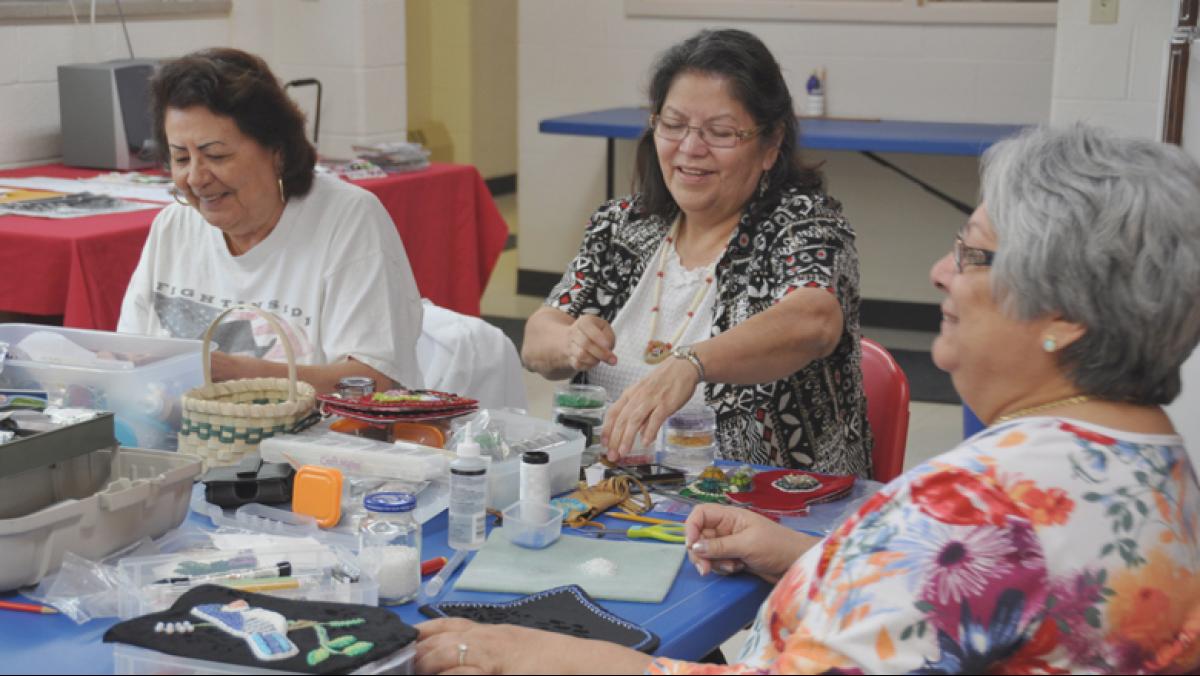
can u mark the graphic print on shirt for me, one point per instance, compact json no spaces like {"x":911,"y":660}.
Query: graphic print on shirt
{"x":241,"y":333}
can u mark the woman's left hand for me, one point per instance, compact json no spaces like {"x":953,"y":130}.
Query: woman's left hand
{"x":458,"y":646}
{"x":643,"y":408}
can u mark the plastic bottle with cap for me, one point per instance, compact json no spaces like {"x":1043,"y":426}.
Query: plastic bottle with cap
{"x":814,"y":104}
{"x":535,"y":477}
{"x":468,"y":495}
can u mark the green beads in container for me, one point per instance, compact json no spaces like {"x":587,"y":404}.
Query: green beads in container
{"x":583,"y":401}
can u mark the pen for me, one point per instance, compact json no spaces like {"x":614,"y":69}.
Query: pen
{"x":281,"y":569}
{"x":27,"y":608}
{"x":263,"y":584}
{"x":434,"y":586}
{"x":432,"y":565}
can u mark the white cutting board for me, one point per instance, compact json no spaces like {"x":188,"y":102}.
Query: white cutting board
{"x":640,"y":571}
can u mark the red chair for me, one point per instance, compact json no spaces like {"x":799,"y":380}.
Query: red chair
{"x":887,"y":393}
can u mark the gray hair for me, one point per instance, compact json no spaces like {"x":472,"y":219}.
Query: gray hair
{"x":1104,"y":231}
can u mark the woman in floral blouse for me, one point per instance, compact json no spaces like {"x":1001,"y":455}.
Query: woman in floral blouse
{"x":1064,"y":537}
{"x":728,"y":280}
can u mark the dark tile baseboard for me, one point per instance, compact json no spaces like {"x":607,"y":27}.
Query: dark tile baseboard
{"x":501,"y":185}
{"x":536,"y":283}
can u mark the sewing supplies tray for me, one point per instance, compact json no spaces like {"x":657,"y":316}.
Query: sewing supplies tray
{"x":77,"y":505}
{"x":565,"y":610}
{"x":621,"y":571}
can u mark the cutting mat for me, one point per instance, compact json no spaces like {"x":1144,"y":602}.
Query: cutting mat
{"x":640,"y":571}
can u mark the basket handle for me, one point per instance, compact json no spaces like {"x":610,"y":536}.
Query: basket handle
{"x":274,"y":322}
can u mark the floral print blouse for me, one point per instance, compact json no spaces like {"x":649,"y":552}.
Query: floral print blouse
{"x":1042,"y":546}
{"x":813,"y":419}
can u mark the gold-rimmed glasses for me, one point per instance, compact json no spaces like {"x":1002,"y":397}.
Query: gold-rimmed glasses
{"x":713,"y":135}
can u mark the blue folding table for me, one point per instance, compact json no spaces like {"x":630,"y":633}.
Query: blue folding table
{"x":866,"y":136}
{"x":698,"y":614}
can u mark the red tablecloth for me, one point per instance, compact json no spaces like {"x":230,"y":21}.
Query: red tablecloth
{"x":79,"y":267}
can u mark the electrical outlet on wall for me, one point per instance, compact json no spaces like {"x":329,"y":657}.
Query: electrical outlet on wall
{"x":1104,"y":11}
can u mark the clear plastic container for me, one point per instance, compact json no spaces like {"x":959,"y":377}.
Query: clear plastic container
{"x":582,"y":401}
{"x":690,"y":440}
{"x":357,"y":455}
{"x":129,"y":659}
{"x":138,"y":378}
{"x":390,"y":544}
{"x":532,"y":524}
{"x":317,"y":573}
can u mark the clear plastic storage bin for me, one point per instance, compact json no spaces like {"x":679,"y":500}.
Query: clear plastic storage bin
{"x":141,"y":385}
{"x":525,"y":433}
{"x":319,"y":572}
{"x":129,"y":659}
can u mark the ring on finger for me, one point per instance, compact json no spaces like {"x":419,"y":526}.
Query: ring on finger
{"x":462,"y":654}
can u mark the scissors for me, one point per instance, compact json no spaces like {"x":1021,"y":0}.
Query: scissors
{"x":660,"y":531}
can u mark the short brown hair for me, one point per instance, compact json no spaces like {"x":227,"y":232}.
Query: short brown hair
{"x":240,"y":86}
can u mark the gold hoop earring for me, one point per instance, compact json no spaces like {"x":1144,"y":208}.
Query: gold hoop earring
{"x":175,"y":193}
{"x":282,"y":196}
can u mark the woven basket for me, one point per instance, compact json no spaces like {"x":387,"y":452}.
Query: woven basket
{"x":222,"y":422}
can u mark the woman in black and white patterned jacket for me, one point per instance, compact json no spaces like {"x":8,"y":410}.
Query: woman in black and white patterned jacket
{"x":729,"y":279}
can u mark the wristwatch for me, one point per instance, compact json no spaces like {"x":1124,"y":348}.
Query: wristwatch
{"x":686,"y":352}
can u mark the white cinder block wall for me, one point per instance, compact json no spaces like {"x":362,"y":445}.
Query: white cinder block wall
{"x":578,"y":55}
{"x":355,"y":47}
{"x":1115,"y":75}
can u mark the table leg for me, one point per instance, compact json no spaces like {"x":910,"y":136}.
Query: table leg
{"x":609,"y":161}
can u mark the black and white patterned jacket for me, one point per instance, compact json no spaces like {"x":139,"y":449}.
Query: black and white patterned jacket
{"x":813,"y":419}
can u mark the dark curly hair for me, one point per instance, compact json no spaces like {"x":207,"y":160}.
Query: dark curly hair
{"x":240,"y":86}
{"x":755,"y":81}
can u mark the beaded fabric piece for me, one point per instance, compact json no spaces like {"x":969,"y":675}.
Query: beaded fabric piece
{"x":563,"y":610}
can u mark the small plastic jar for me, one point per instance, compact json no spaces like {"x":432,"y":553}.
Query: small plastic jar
{"x":581,"y":401}
{"x":353,"y":387}
{"x":390,"y":544}
{"x":690,"y":440}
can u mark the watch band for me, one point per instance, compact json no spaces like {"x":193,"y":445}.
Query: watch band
{"x":686,"y":352}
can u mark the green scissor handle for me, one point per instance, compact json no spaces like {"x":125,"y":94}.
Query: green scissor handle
{"x":660,"y":531}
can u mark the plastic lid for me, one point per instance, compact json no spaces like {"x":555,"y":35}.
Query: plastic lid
{"x":693,"y":419}
{"x":535,"y":457}
{"x":390,"y":502}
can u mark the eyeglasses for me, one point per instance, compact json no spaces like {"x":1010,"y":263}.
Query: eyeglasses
{"x":968,"y":255}
{"x":713,"y":135}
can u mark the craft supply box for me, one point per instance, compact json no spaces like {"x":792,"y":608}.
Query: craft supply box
{"x":128,"y":659}
{"x":525,"y":433}
{"x":72,"y":505}
{"x":138,"y":593}
{"x":143,"y":395}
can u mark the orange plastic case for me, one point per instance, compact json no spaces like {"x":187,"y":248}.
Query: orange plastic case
{"x":317,"y":492}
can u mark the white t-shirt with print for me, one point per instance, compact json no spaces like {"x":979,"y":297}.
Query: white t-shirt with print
{"x":334,"y":267}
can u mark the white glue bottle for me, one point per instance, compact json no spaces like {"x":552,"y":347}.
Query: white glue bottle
{"x":468,"y":496}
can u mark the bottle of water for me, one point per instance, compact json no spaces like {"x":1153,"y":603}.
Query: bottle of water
{"x":468,"y":496}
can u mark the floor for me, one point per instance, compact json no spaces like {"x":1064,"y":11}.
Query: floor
{"x":932,"y":428}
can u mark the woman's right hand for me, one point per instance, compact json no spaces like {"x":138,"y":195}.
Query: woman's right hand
{"x":590,"y":340}
{"x":728,"y":540}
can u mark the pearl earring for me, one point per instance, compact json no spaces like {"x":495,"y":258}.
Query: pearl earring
{"x":1049,"y":344}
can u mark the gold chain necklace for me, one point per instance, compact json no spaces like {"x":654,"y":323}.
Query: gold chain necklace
{"x":656,"y":350}
{"x":1068,"y":401}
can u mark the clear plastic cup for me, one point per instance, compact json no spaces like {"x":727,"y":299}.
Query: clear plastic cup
{"x":581,"y":401}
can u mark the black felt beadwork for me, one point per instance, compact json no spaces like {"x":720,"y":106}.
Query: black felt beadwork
{"x":563,"y":610}
{"x":329,"y":637}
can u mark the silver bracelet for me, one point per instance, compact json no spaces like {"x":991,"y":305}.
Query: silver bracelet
{"x":686,"y":352}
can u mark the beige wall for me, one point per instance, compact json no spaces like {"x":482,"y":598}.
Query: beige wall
{"x":462,"y":58}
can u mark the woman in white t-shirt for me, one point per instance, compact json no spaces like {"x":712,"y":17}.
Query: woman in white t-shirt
{"x":255,"y":225}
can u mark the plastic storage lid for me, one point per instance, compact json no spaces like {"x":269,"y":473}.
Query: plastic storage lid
{"x":535,"y":457}
{"x":693,"y":419}
{"x":390,"y":502}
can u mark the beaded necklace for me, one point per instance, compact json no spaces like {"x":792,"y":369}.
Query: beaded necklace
{"x":656,"y":350}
